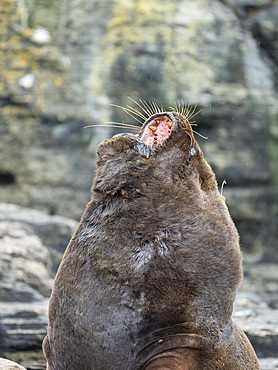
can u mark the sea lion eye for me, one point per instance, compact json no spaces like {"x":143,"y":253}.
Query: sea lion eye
{"x":157,"y":130}
{"x":192,"y":151}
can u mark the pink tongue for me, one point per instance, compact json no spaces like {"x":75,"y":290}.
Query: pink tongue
{"x":157,"y":131}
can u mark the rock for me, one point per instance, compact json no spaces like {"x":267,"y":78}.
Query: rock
{"x":256,"y":312}
{"x":221,"y":54}
{"x":23,"y":325}
{"x":31,"y":247}
{"x":36,"y":231}
{"x":36,"y":97}
{"x":268,"y":363}
{"x":9,"y":365}
{"x":259,"y":321}
{"x":24,"y":262}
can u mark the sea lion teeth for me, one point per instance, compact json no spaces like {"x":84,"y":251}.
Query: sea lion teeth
{"x":168,"y":123}
{"x":152,"y":128}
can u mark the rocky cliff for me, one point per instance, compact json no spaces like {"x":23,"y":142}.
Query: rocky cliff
{"x":63,"y":63}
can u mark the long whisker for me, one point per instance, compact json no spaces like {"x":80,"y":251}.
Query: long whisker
{"x":188,"y":109}
{"x":193,"y":115}
{"x":153,"y":107}
{"x":146,"y":108}
{"x":182,"y":107}
{"x":127,"y":111}
{"x":174,"y":108}
{"x":137,"y":112}
{"x":191,"y":138}
{"x":123,"y":124}
{"x":115,"y":126}
{"x":130,"y":112}
{"x":114,"y":123}
{"x":149,"y":106}
{"x":202,"y":136}
{"x":143,"y":108}
{"x":157,"y":107}
{"x":179,"y":107}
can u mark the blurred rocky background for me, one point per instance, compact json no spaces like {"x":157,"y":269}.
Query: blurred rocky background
{"x":63,"y":63}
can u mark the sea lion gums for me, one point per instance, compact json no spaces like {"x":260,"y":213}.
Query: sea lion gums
{"x":149,"y":278}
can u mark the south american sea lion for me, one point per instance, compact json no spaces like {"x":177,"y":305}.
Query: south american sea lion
{"x":149,"y":278}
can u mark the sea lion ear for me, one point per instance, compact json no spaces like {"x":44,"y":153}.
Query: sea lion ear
{"x":115,"y":146}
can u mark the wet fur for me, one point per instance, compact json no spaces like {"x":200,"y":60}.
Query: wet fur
{"x":155,"y":255}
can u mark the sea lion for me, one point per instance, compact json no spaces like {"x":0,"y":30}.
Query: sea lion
{"x":149,"y":278}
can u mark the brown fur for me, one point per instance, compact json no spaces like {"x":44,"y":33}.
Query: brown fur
{"x":150,"y":276}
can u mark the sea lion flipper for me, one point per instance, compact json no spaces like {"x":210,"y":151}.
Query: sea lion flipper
{"x":176,"y":359}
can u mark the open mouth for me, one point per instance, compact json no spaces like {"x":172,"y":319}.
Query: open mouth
{"x":157,"y":130}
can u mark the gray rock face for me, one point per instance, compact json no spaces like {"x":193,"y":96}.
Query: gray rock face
{"x":24,"y":262}
{"x":9,"y":365}
{"x":260,"y":323}
{"x":40,"y":123}
{"x":23,"y":325}
{"x":222,"y":55}
{"x":31,"y":247}
{"x":50,"y":234}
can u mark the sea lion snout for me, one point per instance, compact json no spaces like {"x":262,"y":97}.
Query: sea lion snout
{"x":159,"y":132}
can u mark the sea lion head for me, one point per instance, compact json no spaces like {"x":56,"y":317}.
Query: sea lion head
{"x":167,"y":134}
